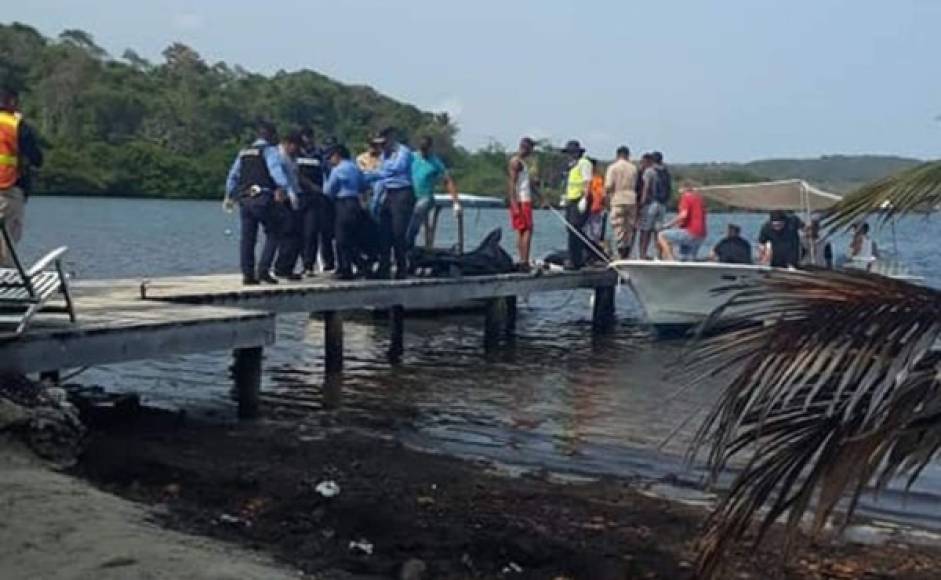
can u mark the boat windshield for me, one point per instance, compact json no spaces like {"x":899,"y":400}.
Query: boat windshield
{"x":469,"y":200}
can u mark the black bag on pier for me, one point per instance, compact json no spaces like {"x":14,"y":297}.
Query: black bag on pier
{"x":487,"y":258}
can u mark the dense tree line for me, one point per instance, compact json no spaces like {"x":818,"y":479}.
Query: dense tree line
{"x":128,"y":126}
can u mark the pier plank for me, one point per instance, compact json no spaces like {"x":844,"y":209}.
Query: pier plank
{"x":328,"y":295}
{"x":113,"y":331}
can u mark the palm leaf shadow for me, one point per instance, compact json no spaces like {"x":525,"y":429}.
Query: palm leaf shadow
{"x":837,"y":389}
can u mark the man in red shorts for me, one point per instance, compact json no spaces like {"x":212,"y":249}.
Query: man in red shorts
{"x":519,"y":194}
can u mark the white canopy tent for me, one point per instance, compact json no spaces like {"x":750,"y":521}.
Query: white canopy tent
{"x":787,"y":195}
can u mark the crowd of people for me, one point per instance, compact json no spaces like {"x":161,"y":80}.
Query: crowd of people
{"x":784,"y":241}
{"x":361,"y":217}
{"x":633,"y":198}
{"x":357,"y":218}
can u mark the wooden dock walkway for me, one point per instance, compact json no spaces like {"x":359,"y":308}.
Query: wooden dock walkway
{"x":125,"y":320}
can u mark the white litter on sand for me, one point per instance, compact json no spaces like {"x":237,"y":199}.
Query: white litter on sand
{"x":328,"y":488}
{"x":363,"y":545}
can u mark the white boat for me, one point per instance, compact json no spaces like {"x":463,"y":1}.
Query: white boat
{"x":676,"y":296}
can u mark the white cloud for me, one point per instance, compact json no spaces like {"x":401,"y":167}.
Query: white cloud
{"x":188,"y":21}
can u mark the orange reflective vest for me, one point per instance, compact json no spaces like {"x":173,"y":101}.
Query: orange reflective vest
{"x":9,"y":149}
{"x":597,"y":194}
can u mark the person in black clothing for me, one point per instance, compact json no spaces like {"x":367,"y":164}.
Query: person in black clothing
{"x":733,"y":248}
{"x":290,"y":216}
{"x":815,"y":251}
{"x":318,"y":226}
{"x":259,"y":183}
{"x":779,"y":240}
{"x":19,"y":152}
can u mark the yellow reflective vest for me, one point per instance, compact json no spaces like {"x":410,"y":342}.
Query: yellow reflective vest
{"x":577,"y":184}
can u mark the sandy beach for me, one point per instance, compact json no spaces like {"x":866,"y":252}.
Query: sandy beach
{"x":55,"y":526}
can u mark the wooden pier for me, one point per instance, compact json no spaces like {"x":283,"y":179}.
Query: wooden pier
{"x":125,"y":320}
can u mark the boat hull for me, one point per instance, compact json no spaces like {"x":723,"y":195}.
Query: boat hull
{"x":676,"y":296}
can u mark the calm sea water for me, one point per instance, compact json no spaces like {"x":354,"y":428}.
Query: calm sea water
{"x":557,"y":399}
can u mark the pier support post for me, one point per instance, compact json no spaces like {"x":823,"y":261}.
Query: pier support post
{"x":603,"y":318}
{"x":333,"y":342}
{"x":247,"y":371}
{"x":494,"y":322}
{"x":511,"y":316}
{"x":396,"y":333}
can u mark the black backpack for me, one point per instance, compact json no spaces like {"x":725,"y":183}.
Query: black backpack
{"x":663,"y":186}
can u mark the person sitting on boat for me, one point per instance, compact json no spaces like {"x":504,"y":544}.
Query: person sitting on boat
{"x":733,"y":248}
{"x":779,"y":240}
{"x":686,"y":232}
{"x":863,"y":248}
{"x":815,"y":251}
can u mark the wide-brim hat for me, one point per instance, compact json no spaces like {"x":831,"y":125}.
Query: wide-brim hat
{"x":573,"y":146}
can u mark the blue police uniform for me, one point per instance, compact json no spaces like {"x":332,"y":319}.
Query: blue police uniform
{"x":257,"y":172}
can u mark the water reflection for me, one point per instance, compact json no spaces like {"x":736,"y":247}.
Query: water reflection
{"x":554,"y":398}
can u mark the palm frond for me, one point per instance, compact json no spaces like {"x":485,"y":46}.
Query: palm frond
{"x":839,"y":388}
{"x":912,"y":190}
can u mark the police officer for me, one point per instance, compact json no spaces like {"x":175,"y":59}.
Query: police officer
{"x":258,"y":181}
{"x":290,"y":216}
{"x":394,"y":203}
{"x":318,"y":209}
{"x":344,"y":187}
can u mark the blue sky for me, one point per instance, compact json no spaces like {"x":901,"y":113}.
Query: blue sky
{"x":700,"y":80}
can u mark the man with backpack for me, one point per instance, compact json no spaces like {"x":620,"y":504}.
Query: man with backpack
{"x":656,"y":190}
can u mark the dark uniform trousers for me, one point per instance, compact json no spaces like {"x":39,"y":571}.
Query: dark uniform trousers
{"x":349,"y":219}
{"x":394,"y":217}
{"x":291,"y":243}
{"x":318,"y":230}
{"x":576,"y":246}
{"x":256,"y":212}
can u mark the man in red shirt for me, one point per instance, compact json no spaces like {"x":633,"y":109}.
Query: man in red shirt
{"x":686,"y":232}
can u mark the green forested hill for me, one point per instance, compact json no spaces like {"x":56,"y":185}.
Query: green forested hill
{"x":838,"y":173}
{"x":125,"y":126}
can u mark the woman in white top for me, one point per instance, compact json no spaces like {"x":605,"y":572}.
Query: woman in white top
{"x":862,"y":248}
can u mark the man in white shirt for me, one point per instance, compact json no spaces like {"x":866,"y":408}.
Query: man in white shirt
{"x":520,"y":189}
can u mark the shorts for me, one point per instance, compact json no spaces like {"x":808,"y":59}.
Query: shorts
{"x":521,"y":216}
{"x":651,"y":217}
{"x":685,"y":245}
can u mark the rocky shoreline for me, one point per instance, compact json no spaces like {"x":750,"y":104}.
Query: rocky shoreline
{"x":288,"y":498}
{"x":342,"y":505}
